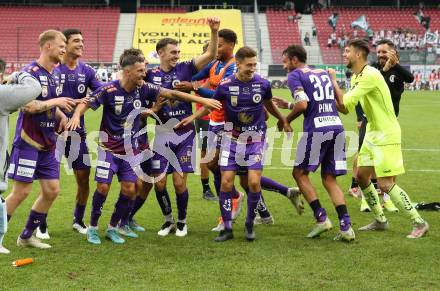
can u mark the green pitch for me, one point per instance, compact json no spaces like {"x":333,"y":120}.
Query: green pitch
{"x":280,"y":258}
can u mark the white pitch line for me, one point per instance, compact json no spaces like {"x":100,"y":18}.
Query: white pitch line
{"x":408,"y":150}
{"x":349,"y":170}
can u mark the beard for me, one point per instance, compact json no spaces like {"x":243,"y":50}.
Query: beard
{"x":349,"y":65}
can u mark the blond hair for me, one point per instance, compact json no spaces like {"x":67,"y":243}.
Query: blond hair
{"x":50,"y":35}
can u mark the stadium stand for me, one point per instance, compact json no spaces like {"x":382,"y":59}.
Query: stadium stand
{"x":159,"y":9}
{"x":24,"y":24}
{"x":378,"y":18}
{"x":282,"y":31}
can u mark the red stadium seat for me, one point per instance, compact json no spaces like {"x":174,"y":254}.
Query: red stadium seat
{"x":378,"y":18}
{"x":278,"y":24}
{"x":20,"y":37}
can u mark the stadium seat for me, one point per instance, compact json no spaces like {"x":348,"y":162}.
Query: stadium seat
{"x":378,"y":18}
{"x":24,"y":24}
{"x":282,"y":32}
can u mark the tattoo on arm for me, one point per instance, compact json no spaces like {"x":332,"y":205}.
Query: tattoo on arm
{"x":35,"y":106}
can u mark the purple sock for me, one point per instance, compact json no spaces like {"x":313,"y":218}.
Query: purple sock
{"x":182,"y":205}
{"x":136,"y":206}
{"x":271,"y":185}
{"x":121,"y":209}
{"x":226,"y":208}
{"x":78,"y":214}
{"x":320,"y":215}
{"x":217,"y":182}
{"x":97,"y":203}
{"x":34,"y":220}
{"x":344,"y":222}
{"x":262,"y":208}
{"x":126,"y":216}
{"x":163,"y":198}
{"x":253,"y":200}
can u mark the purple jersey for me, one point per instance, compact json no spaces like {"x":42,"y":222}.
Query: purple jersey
{"x":315,"y":87}
{"x":243,"y":103}
{"x":38,"y":130}
{"x":181,"y":72}
{"x":118,"y":104}
{"x":74,"y":84}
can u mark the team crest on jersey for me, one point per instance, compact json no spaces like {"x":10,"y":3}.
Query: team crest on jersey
{"x":137,"y":104}
{"x":256,"y":98}
{"x":392,"y":77}
{"x":175,"y":83}
{"x":44,"y":91}
{"x":81,"y":88}
{"x":234,"y":100}
{"x":71,"y":77}
{"x":59,"y":90}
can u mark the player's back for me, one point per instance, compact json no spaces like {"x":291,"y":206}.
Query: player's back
{"x":321,"y":113}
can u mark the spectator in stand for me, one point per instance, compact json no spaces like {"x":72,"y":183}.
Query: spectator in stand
{"x":314,"y":31}
{"x":355,"y":33}
{"x":307,"y":39}
{"x":333,"y":38}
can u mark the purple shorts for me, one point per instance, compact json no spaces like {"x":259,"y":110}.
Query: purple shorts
{"x":240,"y":157}
{"x":29,"y":164}
{"x":322,"y":148}
{"x":77,"y":154}
{"x":109,"y":164}
{"x":172,"y":157}
{"x":215,"y":133}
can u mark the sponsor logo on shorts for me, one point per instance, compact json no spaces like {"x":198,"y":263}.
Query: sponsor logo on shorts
{"x":340,"y":165}
{"x":26,"y":162}
{"x":224,"y":158}
{"x":11,"y":169}
{"x":102,"y":173}
{"x":324,"y":121}
{"x":103,"y":164}
{"x":25,"y":172}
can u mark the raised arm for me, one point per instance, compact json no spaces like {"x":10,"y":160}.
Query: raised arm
{"x":204,"y":59}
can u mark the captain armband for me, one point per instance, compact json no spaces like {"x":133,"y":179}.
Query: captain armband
{"x":300,"y":95}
